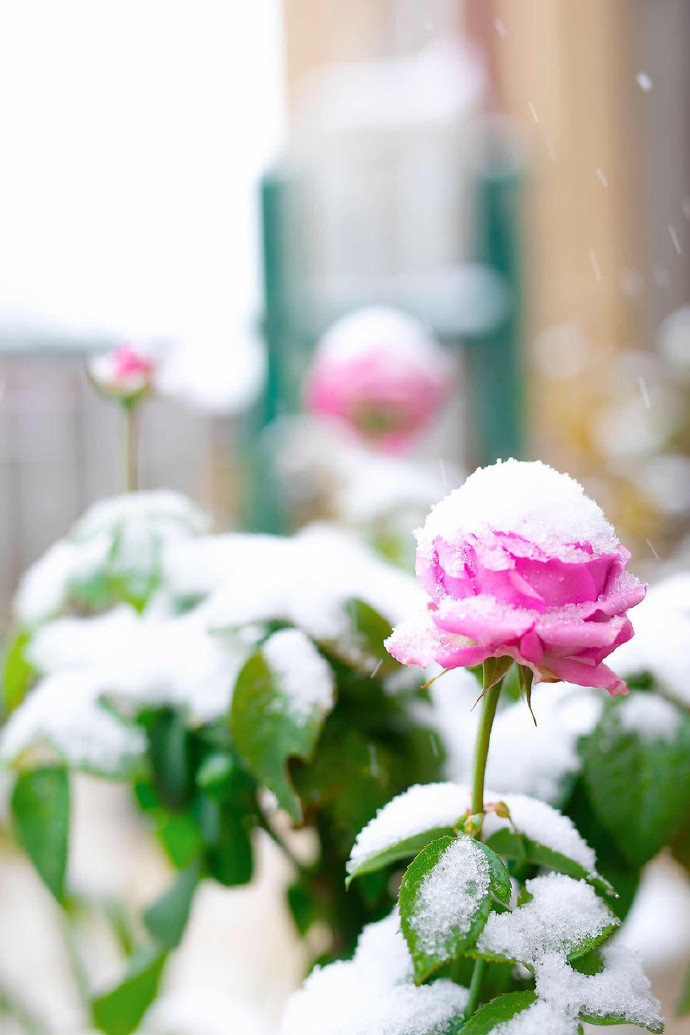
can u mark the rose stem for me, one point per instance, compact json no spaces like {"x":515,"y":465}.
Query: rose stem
{"x":481,"y":752}
{"x":130,"y":459}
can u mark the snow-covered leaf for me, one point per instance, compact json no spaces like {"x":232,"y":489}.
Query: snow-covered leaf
{"x":281,"y":698}
{"x":618,"y":993}
{"x":538,"y":833}
{"x":445,"y":899}
{"x":406,"y":824}
{"x":636,"y":773}
{"x":562,"y":916}
{"x":520,"y":1013}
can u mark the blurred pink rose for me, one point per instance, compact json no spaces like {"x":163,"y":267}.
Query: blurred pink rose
{"x":123,"y":373}
{"x":379,"y":372}
{"x":519,"y":562}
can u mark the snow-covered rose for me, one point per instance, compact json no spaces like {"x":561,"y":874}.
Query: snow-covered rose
{"x":124,"y":373}
{"x":379,"y":372}
{"x":519,"y":562}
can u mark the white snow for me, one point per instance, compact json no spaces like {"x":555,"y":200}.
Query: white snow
{"x":529,"y":498}
{"x":62,"y":713}
{"x":538,"y":1019}
{"x":372,"y":993}
{"x":449,"y":896}
{"x":304,"y":678}
{"x":146,"y":660}
{"x":323,"y":466}
{"x":622,"y":988}
{"x":380,"y":329}
{"x":561,"y":915}
{"x":649,"y":716}
{"x":420,"y":808}
{"x":169,"y":512}
{"x":544,"y":824}
{"x":140,"y":524}
{"x":203,"y":1011}
{"x":308,"y":580}
{"x":661,"y":644}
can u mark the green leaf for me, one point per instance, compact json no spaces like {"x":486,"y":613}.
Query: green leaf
{"x":229,"y":855}
{"x":499,"y":1011}
{"x":180,"y":835}
{"x":267,"y":735}
{"x":369,"y":629}
{"x":18,"y":670}
{"x":41,"y":810}
{"x":119,"y":1011}
{"x":515,"y":846}
{"x":494,"y":670}
{"x":167,"y":918}
{"x":302,"y":904}
{"x":404,"y":849}
{"x":639,"y":786}
{"x":617,"y":1018}
{"x":430,"y":950}
{"x":170,"y":748}
{"x":683,"y":1008}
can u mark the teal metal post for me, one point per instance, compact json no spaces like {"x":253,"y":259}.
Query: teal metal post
{"x":494,"y":362}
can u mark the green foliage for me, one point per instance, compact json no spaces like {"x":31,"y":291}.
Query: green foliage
{"x":638,"y":786}
{"x":498,"y":1012}
{"x":167,"y":918}
{"x":459,"y":939}
{"x":393,"y":853}
{"x":267,"y":734}
{"x":522,"y":850}
{"x":120,"y":1010}
{"x":368,"y":630}
{"x":18,"y":670}
{"x":683,"y":1008}
{"x":41,"y":810}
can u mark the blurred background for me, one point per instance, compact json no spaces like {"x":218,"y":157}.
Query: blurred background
{"x":224,"y":185}
{"x":221,"y":182}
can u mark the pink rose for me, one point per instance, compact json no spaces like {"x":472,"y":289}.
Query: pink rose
{"x":123,"y":373}
{"x":519,"y":562}
{"x":380,"y":373}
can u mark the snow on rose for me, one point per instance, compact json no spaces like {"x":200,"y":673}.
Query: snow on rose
{"x":378,"y":372}
{"x":518,"y":562}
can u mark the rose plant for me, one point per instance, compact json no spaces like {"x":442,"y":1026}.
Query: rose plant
{"x":503,"y":919}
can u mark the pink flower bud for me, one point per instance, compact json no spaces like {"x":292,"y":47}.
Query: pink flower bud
{"x":518,"y":562}
{"x":123,"y":373}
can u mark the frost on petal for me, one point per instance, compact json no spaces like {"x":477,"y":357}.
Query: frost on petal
{"x":420,"y":808}
{"x":562,"y":916}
